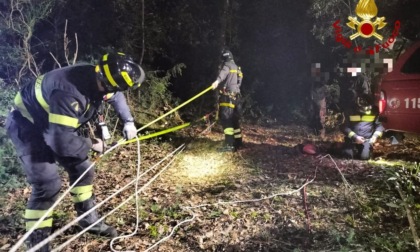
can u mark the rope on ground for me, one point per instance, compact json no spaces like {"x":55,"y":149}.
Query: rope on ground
{"x":172,"y":232}
{"x":256,"y":200}
{"x":338,"y":169}
{"x":347,"y":184}
{"x":29,"y":232}
{"x":121,"y":204}
{"x":189,"y":209}
{"x":136,"y":199}
{"x":60,"y":231}
{"x":120,"y":142}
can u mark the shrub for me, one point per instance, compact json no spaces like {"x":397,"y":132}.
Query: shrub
{"x":11,"y":174}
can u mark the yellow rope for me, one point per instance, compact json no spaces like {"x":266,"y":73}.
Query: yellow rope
{"x":171,"y":111}
{"x":158,"y":133}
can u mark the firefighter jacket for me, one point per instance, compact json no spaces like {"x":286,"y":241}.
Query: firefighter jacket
{"x":62,"y":100}
{"x":230,"y":77}
{"x":362,"y":124}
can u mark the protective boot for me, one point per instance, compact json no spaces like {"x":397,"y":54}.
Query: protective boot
{"x":238,"y":143}
{"x":36,"y":237}
{"x":227,"y":148}
{"x":229,"y":145}
{"x":237,"y":135}
{"x":100,"y":228}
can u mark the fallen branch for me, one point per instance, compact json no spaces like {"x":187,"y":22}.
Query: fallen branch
{"x":305,"y":207}
{"x":410,"y":220}
{"x":256,"y":200}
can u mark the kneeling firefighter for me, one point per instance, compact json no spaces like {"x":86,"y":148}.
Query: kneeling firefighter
{"x":43,"y":128}
{"x":230,"y":78}
{"x":361,"y":129}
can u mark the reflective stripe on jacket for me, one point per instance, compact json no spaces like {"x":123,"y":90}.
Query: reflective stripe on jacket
{"x":61,"y":101}
{"x":230,"y":77}
{"x":364,"y":125}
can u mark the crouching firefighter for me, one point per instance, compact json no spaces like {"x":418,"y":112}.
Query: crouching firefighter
{"x":361,"y":129}
{"x":230,"y":80}
{"x":43,"y":128}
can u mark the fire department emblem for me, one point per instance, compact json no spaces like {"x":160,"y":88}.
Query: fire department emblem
{"x":394,"y":103}
{"x":75,"y":105}
{"x":366,"y":10}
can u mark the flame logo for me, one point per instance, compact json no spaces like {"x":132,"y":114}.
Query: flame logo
{"x":366,"y":10}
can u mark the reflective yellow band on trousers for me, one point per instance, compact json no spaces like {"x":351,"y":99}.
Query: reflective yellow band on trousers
{"x":226,"y":104}
{"x":32,"y":217}
{"x":43,"y":224}
{"x":228,"y":131}
{"x":81,"y":193}
{"x":237,"y":133}
{"x":35,"y":214}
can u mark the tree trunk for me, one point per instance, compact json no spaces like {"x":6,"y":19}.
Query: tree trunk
{"x":223,"y":22}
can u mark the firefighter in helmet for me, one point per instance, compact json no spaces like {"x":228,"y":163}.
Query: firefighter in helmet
{"x":228,"y":83}
{"x":361,"y":128}
{"x":43,"y":128}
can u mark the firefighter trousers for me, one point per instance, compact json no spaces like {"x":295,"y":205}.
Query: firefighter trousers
{"x":39,"y":164}
{"x":230,"y":114}
{"x":359,"y":151}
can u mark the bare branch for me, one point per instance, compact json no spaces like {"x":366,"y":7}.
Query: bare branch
{"x":55,"y":59}
{"x":142,"y":31}
{"x":77,"y":49}
{"x":66,"y":44}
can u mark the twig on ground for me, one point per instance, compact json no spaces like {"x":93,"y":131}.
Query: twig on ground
{"x":305,"y":207}
{"x":410,"y":220}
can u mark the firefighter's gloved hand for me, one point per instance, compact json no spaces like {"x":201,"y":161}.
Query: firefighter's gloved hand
{"x":215,"y":84}
{"x":129,"y":130}
{"x":98,"y":145}
{"x":359,"y":139}
{"x":373,"y":139}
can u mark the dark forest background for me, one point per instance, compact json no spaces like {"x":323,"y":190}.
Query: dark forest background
{"x":179,"y":43}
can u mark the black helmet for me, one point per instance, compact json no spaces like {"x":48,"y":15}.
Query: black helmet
{"x":227,"y":55}
{"x":119,"y":72}
{"x":364,"y":103}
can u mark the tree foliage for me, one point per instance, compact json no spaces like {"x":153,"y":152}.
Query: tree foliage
{"x":18,"y":21}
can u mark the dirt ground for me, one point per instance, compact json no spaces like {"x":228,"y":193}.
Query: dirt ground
{"x":268,"y":196}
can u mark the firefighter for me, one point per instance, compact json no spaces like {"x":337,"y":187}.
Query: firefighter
{"x":228,"y":83}
{"x":43,"y":128}
{"x":361,"y":129}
